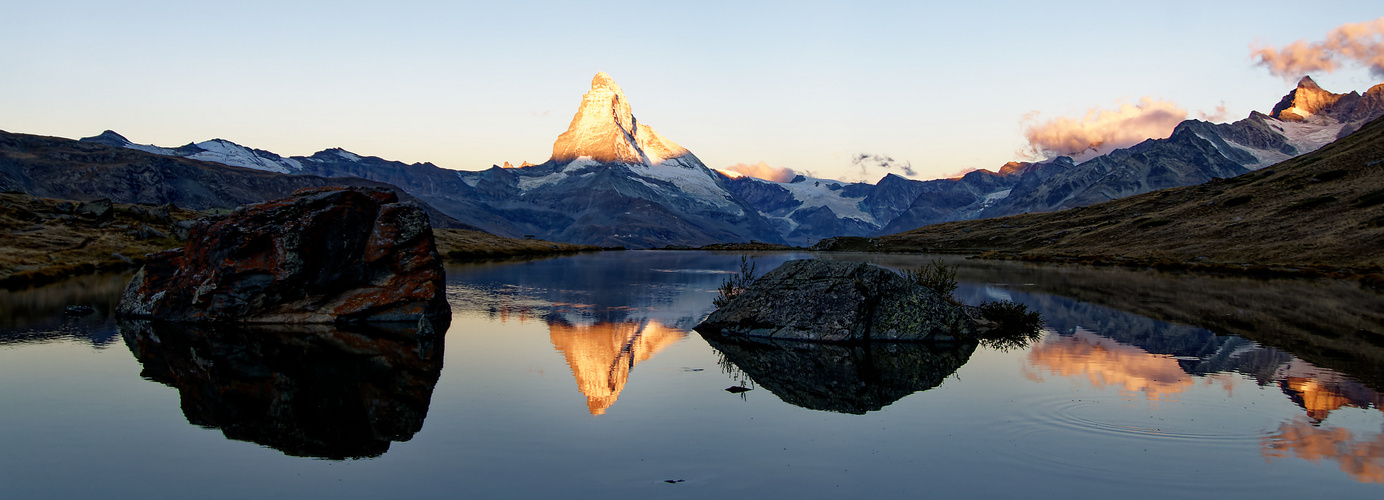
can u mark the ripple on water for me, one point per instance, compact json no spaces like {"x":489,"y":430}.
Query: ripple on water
{"x":1201,"y":446}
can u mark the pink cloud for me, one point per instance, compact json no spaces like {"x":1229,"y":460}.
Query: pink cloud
{"x":1358,"y":43}
{"x":764,"y":171}
{"x":1101,"y":131}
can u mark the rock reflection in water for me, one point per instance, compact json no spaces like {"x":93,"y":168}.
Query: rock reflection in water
{"x":322,"y":391}
{"x":844,"y":378}
{"x":602,"y":355}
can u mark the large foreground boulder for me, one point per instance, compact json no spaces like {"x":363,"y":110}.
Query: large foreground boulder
{"x":324,"y":255}
{"x":834,"y":301}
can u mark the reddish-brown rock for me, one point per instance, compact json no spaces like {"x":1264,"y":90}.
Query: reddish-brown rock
{"x":323,"y":255}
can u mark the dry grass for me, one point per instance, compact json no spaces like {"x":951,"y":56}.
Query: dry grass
{"x":44,"y":243}
{"x":1320,"y":213}
{"x":460,"y":244}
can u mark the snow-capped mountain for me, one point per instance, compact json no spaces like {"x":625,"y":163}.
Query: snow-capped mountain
{"x":614,"y":181}
{"x":1306,"y":119}
{"x":805,"y":210}
{"x":218,"y":150}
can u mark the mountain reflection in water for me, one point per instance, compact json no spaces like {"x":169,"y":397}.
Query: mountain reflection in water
{"x":602,"y":355}
{"x":605,"y":313}
{"x":844,"y":378}
{"x":1160,"y":360}
{"x":321,"y":391}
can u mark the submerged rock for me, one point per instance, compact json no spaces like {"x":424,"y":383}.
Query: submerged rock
{"x":320,"y":256}
{"x":835,"y":301}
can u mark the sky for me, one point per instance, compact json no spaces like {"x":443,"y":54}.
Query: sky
{"x":936,"y":89}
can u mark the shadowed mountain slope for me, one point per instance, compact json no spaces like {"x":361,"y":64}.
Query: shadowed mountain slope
{"x":1323,"y":208}
{"x":53,"y":167}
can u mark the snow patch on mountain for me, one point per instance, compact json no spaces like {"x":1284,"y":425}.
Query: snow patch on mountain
{"x":230,"y":153}
{"x":692,"y":179}
{"x":814,"y":192}
{"x":149,"y":148}
{"x":1309,"y":135}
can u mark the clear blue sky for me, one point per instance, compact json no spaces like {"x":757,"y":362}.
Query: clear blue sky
{"x":803,"y":85}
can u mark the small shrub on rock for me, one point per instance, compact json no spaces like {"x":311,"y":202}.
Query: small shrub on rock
{"x":937,"y":276}
{"x":736,"y":283}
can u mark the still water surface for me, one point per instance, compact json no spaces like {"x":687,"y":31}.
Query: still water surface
{"x":580,"y":377}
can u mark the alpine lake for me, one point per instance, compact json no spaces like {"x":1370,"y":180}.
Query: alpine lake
{"x":581,"y":377}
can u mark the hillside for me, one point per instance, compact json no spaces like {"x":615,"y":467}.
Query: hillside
{"x":46,"y":240}
{"x":54,"y":167}
{"x":1324,"y":209}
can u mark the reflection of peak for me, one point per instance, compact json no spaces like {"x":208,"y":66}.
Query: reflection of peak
{"x":1320,"y":391}
{"x":605,"y":130}
{"x":602,"y":355}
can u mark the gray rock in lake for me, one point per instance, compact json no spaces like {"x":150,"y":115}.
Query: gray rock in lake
{"x":834,"y":301}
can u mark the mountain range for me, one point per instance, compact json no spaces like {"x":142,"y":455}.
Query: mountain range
{"x":613,"y":181}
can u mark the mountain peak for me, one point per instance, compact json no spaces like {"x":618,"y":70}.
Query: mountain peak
{"x":109,"y":138}
{"x":605,"y":129}
{"x":603,"y":80}
{"x":1305,"y":100}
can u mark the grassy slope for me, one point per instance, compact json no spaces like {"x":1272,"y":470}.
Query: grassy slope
{"x":1324,"y":209}
{"x":43,"y":244}
{"x":459,"y":244}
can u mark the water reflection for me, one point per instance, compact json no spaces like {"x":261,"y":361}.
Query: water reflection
{"x":322,"y":391}
{"x":1107,"y":363}
{"x":1320,"y":391}
{"x":602,"y":355}
{"x":38,"y":315}
{"x":606,"y":312}
{"x":1359,"y":456}
{"x":844,"y":378}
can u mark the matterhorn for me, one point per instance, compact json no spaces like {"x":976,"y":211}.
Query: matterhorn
{"x":613,"y":181}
